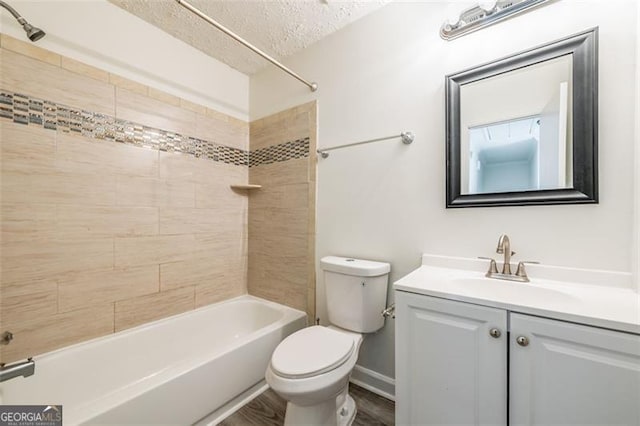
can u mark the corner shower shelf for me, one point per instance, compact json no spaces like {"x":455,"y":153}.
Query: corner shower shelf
{"x":247,"y":186}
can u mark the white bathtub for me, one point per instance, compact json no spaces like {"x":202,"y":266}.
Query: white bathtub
{"x":172,"y":371}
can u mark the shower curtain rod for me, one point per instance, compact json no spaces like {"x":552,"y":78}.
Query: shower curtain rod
{"x":199,"y":13}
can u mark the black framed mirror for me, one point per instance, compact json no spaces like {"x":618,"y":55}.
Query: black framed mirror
{"x":523,"y":130}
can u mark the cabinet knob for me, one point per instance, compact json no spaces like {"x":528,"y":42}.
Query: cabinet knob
{"x":495,"y":333}
{"x":522,"y":341}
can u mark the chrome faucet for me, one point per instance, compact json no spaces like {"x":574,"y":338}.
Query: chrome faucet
{"x":504,"y":247}
{"x":24,"y":369}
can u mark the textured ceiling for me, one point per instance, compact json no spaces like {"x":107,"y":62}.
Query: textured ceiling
{"x":279,"y":27}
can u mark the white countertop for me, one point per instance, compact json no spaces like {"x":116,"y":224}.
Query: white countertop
{"x":598,"y":298}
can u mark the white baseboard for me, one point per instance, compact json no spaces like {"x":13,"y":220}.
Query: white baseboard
{"x":374,"y":382}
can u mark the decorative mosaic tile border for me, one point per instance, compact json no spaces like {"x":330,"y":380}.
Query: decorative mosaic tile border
{"x":280,"y":152}
{"x":27,"y":110}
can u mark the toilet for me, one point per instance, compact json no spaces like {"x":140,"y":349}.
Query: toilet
{"x":311,"y":367}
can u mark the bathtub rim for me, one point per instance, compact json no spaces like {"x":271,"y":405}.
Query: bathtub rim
{"x":147,"y":325}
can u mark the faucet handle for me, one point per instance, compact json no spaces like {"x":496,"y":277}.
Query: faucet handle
{"x":521,"y":272}
{"x":493,"y":268}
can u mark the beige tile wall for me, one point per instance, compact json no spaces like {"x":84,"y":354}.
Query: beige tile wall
{"x":99,"y":236}
{"x":282,"y":213}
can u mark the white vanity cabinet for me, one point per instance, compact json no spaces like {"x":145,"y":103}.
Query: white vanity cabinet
{"x":572,"y":374}
{"x":449,"y":368}
{"x":462,"y":363}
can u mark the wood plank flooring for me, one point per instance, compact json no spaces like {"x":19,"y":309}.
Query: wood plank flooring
{"x":268,"y":410}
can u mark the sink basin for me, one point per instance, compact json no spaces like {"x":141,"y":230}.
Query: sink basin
{"x":489,"y":288}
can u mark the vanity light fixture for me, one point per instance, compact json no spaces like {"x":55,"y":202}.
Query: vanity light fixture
{"x":484,"y":14}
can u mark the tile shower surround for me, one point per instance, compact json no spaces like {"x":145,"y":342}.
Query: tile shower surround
{"x":281,"y":263}
{"x":176,"y":294}
{"x":108,"y":223}
{"x":27,"y":110}
{"x":176,"y":291}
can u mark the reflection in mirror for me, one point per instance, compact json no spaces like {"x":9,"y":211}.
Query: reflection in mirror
{"x":523,"y":129}
{"x":510,"y":156}
{"x":504,"y":157}
{"x":516,"y":131}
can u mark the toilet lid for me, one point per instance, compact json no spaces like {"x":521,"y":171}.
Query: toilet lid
{"x":311,"y":351}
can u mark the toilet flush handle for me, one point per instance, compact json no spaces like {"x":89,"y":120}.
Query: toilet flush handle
{"x":389,"y":311}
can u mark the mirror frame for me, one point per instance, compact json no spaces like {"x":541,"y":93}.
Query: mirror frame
{"x":584,"y":48}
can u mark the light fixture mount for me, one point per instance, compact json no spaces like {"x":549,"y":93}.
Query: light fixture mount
{"x":484,"y":14}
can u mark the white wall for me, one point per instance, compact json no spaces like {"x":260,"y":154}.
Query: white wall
{"x":636,"y":251}
{"x":103,"y":35}
{"x":385,"y":74}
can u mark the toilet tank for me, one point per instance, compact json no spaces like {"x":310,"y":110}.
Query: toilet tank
{"x":356,"y":292}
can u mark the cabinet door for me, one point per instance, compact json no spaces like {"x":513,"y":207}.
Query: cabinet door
{"x":572,"y":374}
{"x":449,"y":369}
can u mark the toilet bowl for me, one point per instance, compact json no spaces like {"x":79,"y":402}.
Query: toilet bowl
{"x":311,"y":367}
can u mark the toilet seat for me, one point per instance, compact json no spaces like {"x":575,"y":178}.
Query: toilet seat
{"x":311,"y":351}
